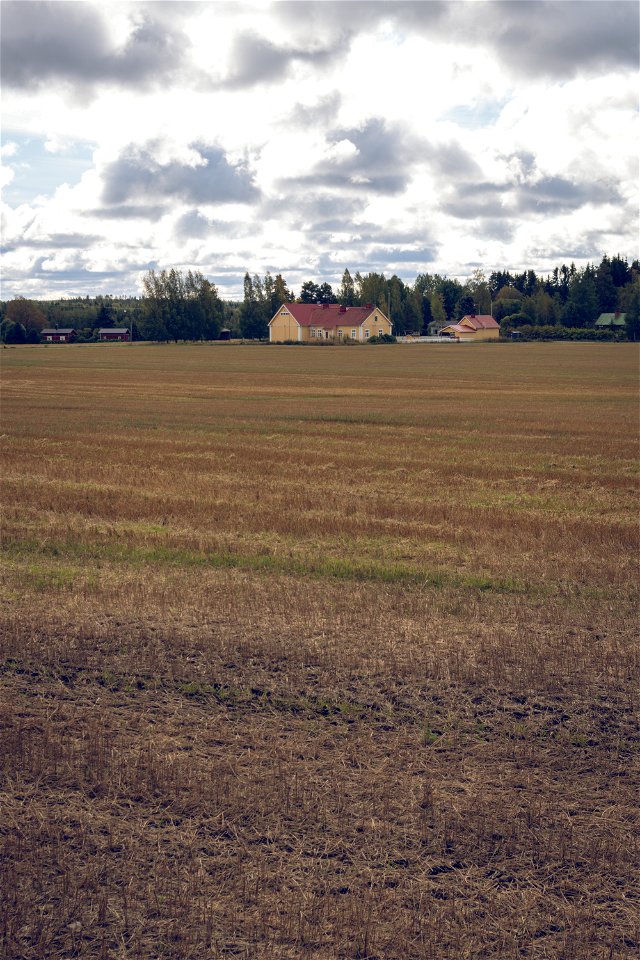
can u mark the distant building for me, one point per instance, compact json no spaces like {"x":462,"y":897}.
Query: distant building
{"x":436,"y":326}
{"x":59,"y":335}
{"x":118,"y":334}
{"x":473,"y":327}
{"x":608,"y":320}
{"x":327,"y":321}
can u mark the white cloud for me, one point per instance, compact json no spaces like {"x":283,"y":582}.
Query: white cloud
{"x":6,"y":176}
{"x":275,"y":133}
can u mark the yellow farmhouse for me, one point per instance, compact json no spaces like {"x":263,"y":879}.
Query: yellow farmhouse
{"x":327,"y":321}
{"x":473,"y":327}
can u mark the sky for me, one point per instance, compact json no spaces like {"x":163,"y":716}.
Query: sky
{"x":304,"y":138}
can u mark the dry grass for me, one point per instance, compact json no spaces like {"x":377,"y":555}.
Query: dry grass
{"x":320,"y":653}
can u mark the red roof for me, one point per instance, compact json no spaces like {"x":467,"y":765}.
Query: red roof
{"x":456,"y":327}
{"x":481,"y":321}
{"x":328,"y":315}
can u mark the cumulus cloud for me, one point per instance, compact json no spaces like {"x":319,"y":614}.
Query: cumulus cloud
{"x":57,"y":241}
{"x":375,"y":158}
{"x":322,"y":112}
{"x":138,"y":174}
{"x":58,"y":274}
{"x":464,"y":208}
{"x":451,"y":161}
{"x":310,"y":209}
{"x":495,"y":202}
{"x":560,"y":39}
{"x":495,"y":228}
{"x":558,"y":194}
{"x":255,"y":59}
{"x":71,"y":42}
{"x":399,"y":256}
{"x":305,"y":137}
{"x":534,"y":37}
{"x":333,"y":18}
{"x":193,"y":225}
{"x":129,"y":211}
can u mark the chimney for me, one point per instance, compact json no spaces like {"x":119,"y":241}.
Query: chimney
{"x":343,"y":309}
{"x":325,"y":306}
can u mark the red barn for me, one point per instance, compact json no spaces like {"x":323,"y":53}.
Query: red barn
{"x":118,"y":334}
{"x":59,"y":335}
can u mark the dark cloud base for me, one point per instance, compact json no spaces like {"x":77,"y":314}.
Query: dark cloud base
{"x":137,"y":174}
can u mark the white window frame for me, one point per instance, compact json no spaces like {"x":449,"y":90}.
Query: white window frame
{"x":354,"y":334}
{"x":366,"y":334}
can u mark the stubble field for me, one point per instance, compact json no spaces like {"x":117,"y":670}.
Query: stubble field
{"x":319,"y":653}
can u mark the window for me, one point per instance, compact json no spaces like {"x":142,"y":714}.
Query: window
{"x":380,"y":332}
{"x":353,"y":334}
{"x":340,"y":334}
{"x":366,"y":334}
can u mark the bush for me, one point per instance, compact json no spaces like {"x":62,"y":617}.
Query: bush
{"x":558,"y":332}
{"x":383,"y":338}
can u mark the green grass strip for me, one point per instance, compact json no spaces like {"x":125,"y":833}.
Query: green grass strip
{"x":326,"y":567}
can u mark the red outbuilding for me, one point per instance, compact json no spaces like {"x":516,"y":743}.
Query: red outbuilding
{"x":118,"y":334}
{"x":59,"y":335}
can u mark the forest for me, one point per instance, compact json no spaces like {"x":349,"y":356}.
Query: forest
{"x":186,"y":306}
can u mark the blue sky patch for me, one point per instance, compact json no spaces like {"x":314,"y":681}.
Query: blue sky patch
{"x":38,"y":172}
{"x":475,"y":116}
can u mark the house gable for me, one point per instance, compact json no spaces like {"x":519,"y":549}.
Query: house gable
{"x":282,"y":312}
{"x":471,"y":327}
{"x":481,"y":321}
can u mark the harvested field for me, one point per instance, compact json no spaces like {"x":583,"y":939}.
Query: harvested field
{"x":320,"y":653}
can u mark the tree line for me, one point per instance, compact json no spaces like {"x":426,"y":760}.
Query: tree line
{"x":187,"y":306}
{"x":174,"y":306}
{"x":569,"y":298}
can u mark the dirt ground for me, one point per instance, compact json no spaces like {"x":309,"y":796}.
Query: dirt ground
{"x":247,"y":718}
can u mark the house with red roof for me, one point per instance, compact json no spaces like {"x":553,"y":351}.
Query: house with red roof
{"x":327,"y":321}
{"x":473,"y":327}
